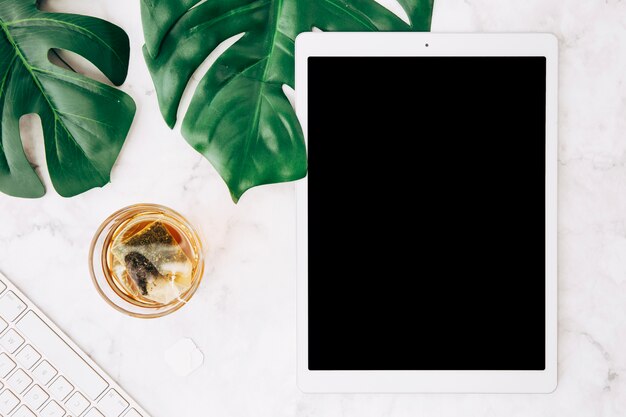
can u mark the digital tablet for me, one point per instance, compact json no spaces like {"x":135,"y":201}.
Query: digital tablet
{"x":427,"y":224}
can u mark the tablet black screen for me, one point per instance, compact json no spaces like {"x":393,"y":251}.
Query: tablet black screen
{"x":448,"y":152}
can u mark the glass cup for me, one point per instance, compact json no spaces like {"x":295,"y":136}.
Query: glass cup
{"x":146,"y":261}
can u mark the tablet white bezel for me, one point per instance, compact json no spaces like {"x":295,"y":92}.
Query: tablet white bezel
{"x":431,"y":44}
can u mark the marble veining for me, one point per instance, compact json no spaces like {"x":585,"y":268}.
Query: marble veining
{"x":243,"y":316}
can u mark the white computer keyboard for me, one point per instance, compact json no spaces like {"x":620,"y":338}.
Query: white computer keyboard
{"x":43,"y":373}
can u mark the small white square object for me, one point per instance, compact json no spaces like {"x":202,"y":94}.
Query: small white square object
{"x":184,"y":357}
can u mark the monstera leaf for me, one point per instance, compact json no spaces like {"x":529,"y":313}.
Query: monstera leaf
{"x":84,"y":122}
{"x":239,"y":118}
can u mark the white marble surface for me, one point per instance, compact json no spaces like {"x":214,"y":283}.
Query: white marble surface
{"x":243,"y":317}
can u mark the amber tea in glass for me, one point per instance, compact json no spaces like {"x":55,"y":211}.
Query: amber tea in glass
{"x":150,"y":262}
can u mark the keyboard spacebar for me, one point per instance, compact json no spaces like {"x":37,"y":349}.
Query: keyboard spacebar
{"x":61,"y":355}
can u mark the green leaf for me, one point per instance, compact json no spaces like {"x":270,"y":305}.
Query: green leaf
{"x":84,"y":122}
{"x":239,"y":118}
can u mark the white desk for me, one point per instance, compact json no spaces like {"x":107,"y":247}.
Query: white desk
{"x":243,"y":315}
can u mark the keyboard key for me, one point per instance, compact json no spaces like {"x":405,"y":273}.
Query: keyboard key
{"x":8,"y":401}
{"x":2,"y":287}
{"x":44,"y":372}
{"x":19,"y":381}
{"x":52,"y":409}
{"x":35,"y":397}
{"x":132,"y":413}
{"x":77,"y":404}
{"x":3,"y":325}
{"x":23,"y":411}
{"x":6,"y":365}
{"x":94,"y":413}
{"x":61,"y":388}
{"x":61,"y":354}
{"x":28,"y":357}
{"x":11,"y":341}
{"x":11,"y":306}
{"x":112,"y":404}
